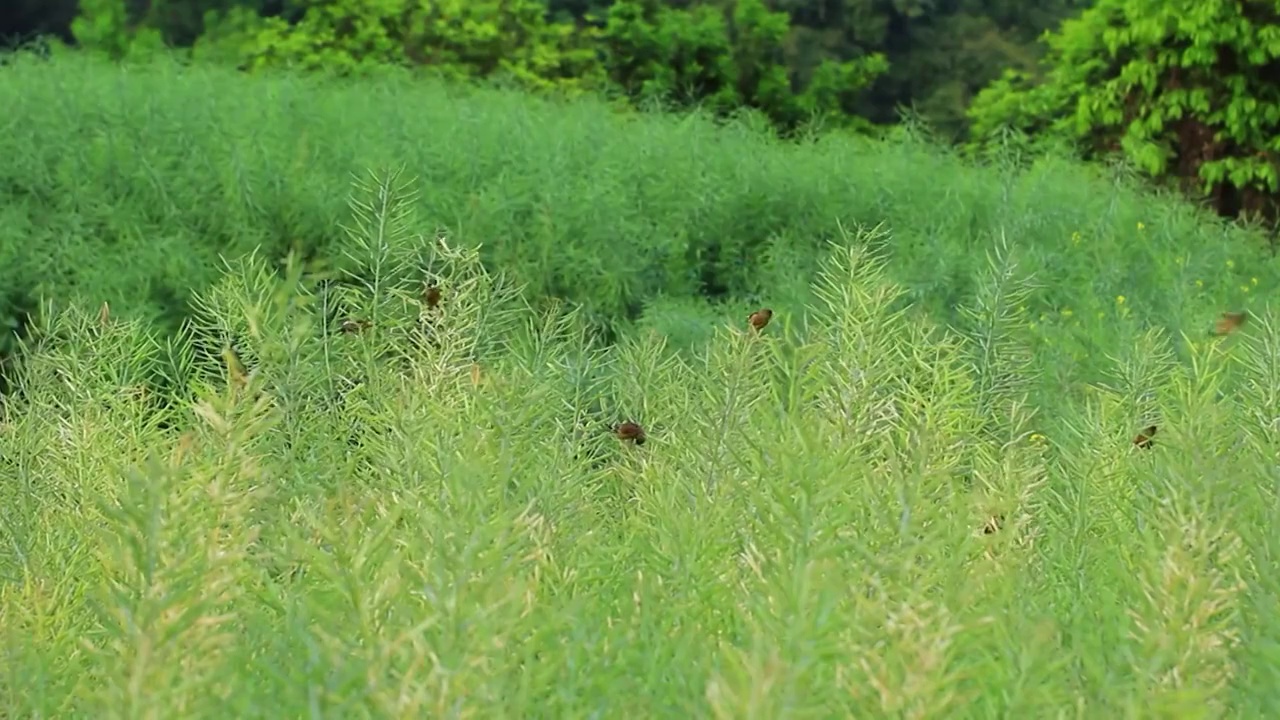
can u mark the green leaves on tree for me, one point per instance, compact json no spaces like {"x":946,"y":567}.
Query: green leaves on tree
{"x":1185,"y":89}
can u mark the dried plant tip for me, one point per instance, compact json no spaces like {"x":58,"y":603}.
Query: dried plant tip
{"x":760,"y":318}
{"x":234,"y":367}
{"x":993,"y":525}
{"x":630,"y":431}
{"x":182,"y":449}
{"x":104,"y":315}
{"x":476,"y":378}
{"x":354,"y":326}
{"x":1230,"y":322}
{"x":1144,"y":438}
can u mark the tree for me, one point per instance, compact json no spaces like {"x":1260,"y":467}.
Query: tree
{"x":725,"y":58}
{"x":458,"y":38}
{"x":1186,"y":90}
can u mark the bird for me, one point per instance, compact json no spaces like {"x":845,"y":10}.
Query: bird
{"x":1229,"y":322}
{"x":760,"y":318}
{"x":1144,"y":438}
{"x":432,"y":296}
{"x":354,"y":326}
{"x":630,"y":431}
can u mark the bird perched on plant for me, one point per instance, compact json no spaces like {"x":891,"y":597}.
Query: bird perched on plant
{"x":432,"y":296}
{"x":760,"y":318}
{"x":354,"y":326}
{"x":1230,"y":322}
{"x":630,"y":431}
{"x":1144,"y":438}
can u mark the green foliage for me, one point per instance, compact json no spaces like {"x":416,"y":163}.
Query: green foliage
{"x":654,"y":50}
{"x":724,"y":61}
{"x":431,"y":517}
{"x":509,"y":39}
{"x":938,"y":54}
{"x":1182,"y":89}
{"x":127,"y":186}
{"x":106,"y":26}
{"x":930,"y":57}
{"x":229,"y":37}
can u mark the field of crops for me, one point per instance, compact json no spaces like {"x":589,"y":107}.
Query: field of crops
{"x":257,"y":484}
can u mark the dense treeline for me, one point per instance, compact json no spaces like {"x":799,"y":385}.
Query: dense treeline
{"x":866,"y":59}
{"x":1186,"y":90}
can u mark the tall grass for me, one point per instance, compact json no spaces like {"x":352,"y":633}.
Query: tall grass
{"x":430,"y":517}
{"x":126,"y":184}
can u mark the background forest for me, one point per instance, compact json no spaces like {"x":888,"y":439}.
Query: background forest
{"x":932,"y":56}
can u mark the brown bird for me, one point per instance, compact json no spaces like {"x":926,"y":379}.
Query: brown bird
{"x":760,"y":318}
{"x":1144,"y":438}
{"x":630,"y":431}
{"x":354,"y":326}
{"x":432,"y":297}
{"x":1229,"y":322}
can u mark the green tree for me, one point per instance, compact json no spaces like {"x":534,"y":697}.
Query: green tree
{"x":939,"y":52}
{"x":1184,"y":89}
{"x":128,"y":27}
{"x":108,"y":26}
{"x":725,"y":58}
{"x":458,"y":38}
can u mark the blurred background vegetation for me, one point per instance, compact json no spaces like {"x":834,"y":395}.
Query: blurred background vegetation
{"x":864,"y":58}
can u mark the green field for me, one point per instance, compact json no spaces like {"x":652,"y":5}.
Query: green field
{"x":431,"y":518}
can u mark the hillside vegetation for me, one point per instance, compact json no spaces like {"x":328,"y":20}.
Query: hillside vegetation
{"x":125,"y":185}
{"x":915,"y":493}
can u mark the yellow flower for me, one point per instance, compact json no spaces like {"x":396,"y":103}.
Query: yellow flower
{"x":1066,"y":312}
{"x":1231,"y":263}
{"x":1075,"y":238}
{"x":1254,"y":281}
{"x":1244,"y":288}
{"x":1119,"y":299}
{"x":1199,"y":283}
{"x":1037,"y":438}
{"x":1141,"y":226}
